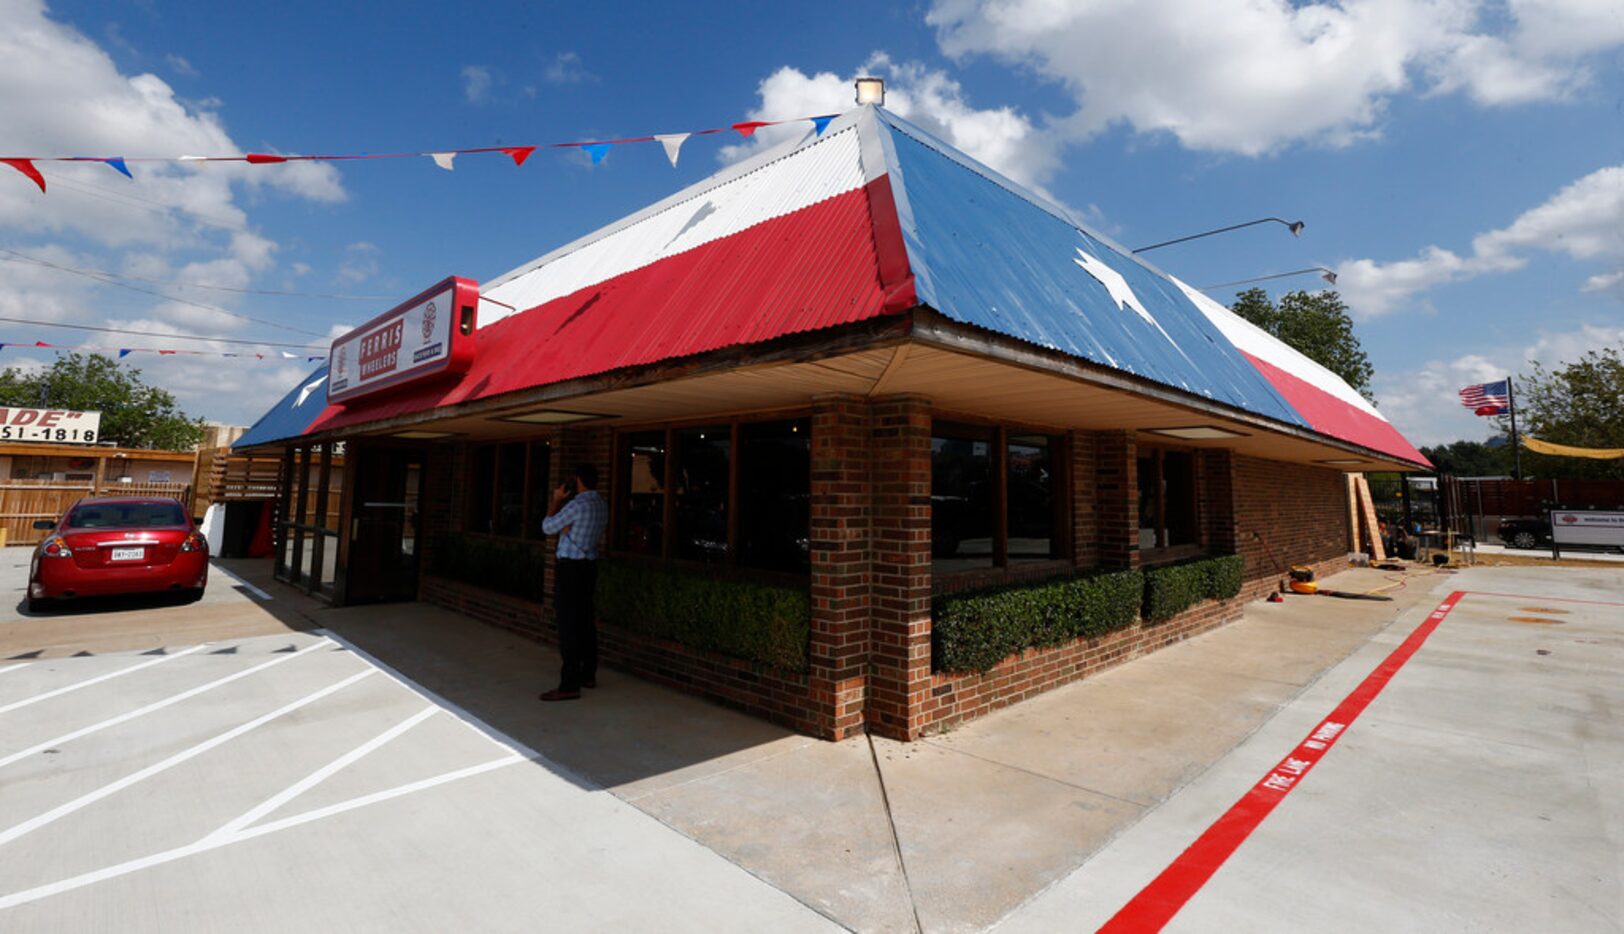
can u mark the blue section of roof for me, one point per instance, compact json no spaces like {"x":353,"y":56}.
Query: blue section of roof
{"x":290,"y":417}
{"x":986,"y":254}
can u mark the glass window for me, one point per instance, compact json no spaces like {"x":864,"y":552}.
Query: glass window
{"x":1149,"y":502}
{"x":510,"y":473}
{"x":540,"y":486}
{"x":642,"y":475}
{"x":481,"y":475}
{"x":961,"y":501}
{"x":701,"y":487}
{"x":1030,"y":491}
{"x":775,"y":493}
{"x":1179,"y":502}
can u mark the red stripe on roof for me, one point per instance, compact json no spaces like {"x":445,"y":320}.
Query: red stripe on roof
{"x":1329,"y":415}
{"x":812,"y":269}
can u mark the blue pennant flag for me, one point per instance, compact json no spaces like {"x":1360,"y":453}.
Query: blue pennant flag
{"x":597,"y":151}
{"x":821,"y":123}
{"x":117,"y":162}
{"x":313,"y":359}
{"x":123,"y":352}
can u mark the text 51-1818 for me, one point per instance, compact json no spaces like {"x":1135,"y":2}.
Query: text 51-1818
{"x":37,"y":433}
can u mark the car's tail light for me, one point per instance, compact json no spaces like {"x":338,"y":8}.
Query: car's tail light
{"x":56,"y":547}
{"x":194,"y":542}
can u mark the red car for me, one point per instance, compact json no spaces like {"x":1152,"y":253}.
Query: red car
{"x":119,"y":545}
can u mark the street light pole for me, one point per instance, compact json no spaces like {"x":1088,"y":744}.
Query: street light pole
{"x":1296,"y":228}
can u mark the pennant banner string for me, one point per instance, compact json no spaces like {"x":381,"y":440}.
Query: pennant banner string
{"x":174,"y":337}
{"x":123,"y":352}
{"x":597,"y":149}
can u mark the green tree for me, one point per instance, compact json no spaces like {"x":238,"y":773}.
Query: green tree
{"x":1316,"y":324}
{"x":133,"y":414}
{"x":1580,"y":404}
{"x":1471,"y":459}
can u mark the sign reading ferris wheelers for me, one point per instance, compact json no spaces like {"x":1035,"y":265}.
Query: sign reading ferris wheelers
{"x":426,"y":336}
{"x":52,"y":425}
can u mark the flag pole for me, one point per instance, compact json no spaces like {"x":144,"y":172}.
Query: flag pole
{"x":1516,"y":448}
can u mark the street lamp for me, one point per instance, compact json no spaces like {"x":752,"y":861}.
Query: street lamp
{"x":1296,"y":228}
{"x":1326,"y":274}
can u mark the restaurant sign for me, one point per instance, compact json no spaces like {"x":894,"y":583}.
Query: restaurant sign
{"x":426,"y":336}
{"x":58,"y":426}
{"x":1587,"y":527}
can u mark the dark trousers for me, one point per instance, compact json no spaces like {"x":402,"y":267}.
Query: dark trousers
{"x":574,"y":580}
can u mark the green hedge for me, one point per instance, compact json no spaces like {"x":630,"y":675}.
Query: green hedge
{"x":513,"y":568}
{"x":1174,"y":588}
{"x":759,"y":622}
{"x":975,"y":631}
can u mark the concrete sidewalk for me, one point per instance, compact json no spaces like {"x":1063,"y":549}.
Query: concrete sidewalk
{"x":982,"y":818}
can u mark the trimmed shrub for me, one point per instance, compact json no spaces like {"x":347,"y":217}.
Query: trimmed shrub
{"x":759,"y":622}
{"x":975,"y":631}
{"x":1225,"y":576}
{"x":513,"y":568}
{"x":1174,"y":588}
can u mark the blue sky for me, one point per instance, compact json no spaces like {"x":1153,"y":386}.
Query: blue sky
{"x":1459,"y":162}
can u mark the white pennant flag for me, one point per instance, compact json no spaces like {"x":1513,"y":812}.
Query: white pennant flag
{"x":443,"y":159}
{"x":288,"y":356}
{"x":673,"y":145}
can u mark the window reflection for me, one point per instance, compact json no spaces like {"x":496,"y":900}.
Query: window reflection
{"x":701,"y":487}
{"x":775,"y":486}
{"x":1030,"y":492}
{"x":961,"y":501}
{"x":642,"y":475}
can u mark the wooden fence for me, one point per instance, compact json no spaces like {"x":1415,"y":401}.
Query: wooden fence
{"x":23,"y":502}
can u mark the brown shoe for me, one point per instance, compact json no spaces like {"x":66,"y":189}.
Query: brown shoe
{"x":560,"y":694}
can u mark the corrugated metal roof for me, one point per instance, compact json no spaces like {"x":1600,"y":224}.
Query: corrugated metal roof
{"x":986,"y":254}
{"x":291,"y":415}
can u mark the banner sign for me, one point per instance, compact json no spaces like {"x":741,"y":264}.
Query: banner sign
{"x":54,"y":425}
{"x":426,"y":336}
{"x":1587,"y":527}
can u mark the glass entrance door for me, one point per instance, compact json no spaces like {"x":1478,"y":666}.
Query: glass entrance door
{"x":384,"y":543}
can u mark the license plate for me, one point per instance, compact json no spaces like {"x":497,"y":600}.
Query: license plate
{"x":129,"y":554}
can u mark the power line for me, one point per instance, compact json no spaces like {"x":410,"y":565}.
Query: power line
{"x":173,"y":298}
{"x":175,"y":337}
{"x":128,"y":200}
{"x":217,"y":288}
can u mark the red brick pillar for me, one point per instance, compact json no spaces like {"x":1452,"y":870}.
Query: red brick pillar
{"x":1085,"y":519}
{"x":1117,"y":489}
{"x":839,"y":533}
{"x":899,"y":657}
{"x":1218,"y":502}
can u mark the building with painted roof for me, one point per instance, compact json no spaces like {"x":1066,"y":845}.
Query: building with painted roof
{"x":831,"y":391}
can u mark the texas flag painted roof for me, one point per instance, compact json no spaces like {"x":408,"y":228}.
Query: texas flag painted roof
{"x":867,"y":220}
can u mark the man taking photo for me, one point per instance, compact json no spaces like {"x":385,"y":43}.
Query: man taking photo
{"x":578,"y":516}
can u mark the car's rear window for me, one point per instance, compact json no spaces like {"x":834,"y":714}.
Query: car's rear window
{"x":126,"y":515}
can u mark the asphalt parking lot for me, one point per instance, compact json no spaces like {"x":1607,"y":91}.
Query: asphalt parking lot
{"x":258,"y":761}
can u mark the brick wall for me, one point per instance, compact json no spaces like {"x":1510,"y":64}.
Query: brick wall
{"x":900,"y":553}
{"x":840,"y":578}
{"x":1288,"y":514}
{"x":1117,"y":491}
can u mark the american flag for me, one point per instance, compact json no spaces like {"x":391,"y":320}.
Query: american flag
{"x":1488,"y":398}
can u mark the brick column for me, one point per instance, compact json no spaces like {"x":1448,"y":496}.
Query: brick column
{"x":839,"y":534}
{"x":1084,"y":512}
{"x":899,"y":612}
{"x":1117,"y":489}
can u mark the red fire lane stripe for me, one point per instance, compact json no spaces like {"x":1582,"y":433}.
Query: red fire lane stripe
{"x":1158,"y":902}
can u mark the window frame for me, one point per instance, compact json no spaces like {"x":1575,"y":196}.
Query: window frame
{"x":1163,"y":553}
{"x":729,"y":568}
{"x":1061,"y":548}
{"x":528,"y":494}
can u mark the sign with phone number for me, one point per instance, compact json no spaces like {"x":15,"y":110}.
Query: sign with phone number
{"x":58,"y":426}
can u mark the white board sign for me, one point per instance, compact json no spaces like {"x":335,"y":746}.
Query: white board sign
{"x":1587,"y":527}
{"x":424,"y":336}
{"x":57,"y":426}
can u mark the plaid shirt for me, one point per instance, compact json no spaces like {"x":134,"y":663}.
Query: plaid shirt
{"x":582,"y":520}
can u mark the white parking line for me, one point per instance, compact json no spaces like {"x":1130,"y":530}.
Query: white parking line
{"x":320,"y":775}
{"x":89,"y":798}
{"x":13,"y":667}
{"x":155,"y":705}
{"x":99,"y":679}
{"x":243,"y":583}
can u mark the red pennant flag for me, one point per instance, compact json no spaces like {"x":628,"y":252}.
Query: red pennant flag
{"x":164,"y":352}
{"x":519,"y":153}
{"x":41,"y":344}
{"x":26,"y":166}
{"x":749,"y":128}
{"x":260,"y":158}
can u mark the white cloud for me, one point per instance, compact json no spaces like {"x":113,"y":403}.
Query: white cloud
{"x":180,"y":66}
{"x":1584,"y":221}
{"x":1424,"y":403}
{"x":62,"y":93}
{"x":360,"y":262}
{"x":476,"y":83}
{"x":566,"y":68}
{"x":1253,"y":76}
{"x":1003,"y":138}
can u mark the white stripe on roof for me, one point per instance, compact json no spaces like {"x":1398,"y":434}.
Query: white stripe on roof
{"x":805,"y":176}
{"x":1251,"y":339}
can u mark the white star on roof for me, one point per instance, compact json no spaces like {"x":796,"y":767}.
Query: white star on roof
{"x":308,"y":388}
{"x":1121,"y":292}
